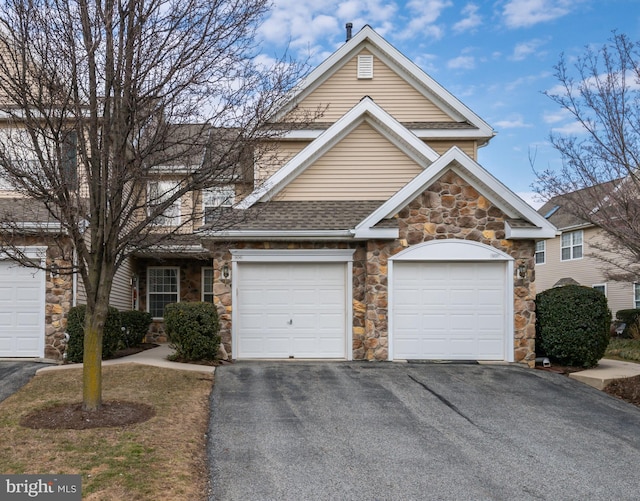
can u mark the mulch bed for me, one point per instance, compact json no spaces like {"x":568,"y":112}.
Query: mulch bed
{"x":72,"y":417}
{"x":627,"y":389}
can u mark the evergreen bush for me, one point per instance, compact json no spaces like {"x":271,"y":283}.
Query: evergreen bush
{"x":193,"y":329}
{"x":572,"y":325}
{"x":75,"y":329}
{"x":136,"y":325}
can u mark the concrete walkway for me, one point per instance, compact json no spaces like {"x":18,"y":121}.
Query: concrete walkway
{"x":606,"y":371}
{"x":155,"y":356}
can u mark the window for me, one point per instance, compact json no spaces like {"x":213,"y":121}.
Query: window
{"x":159,"y":192}
{"x":207,"y":285}
{"x":636,"y":295}
{"x":162,"y":289}
{"x":540,"y":251}
{"x":216,"y":197}
{"x":600,"y":287}
{"x":571,"y":245}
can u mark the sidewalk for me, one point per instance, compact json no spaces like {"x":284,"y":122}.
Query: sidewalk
{"x":154,"y":356}
{"x":606,"y":371}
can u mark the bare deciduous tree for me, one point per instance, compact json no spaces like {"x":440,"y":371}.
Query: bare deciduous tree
{"x":100,"y":98}
{"x":599,"y":178}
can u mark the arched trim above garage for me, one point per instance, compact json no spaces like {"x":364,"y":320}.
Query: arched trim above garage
{"x":451,"y":250}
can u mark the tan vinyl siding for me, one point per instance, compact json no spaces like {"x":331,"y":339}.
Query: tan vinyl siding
{"x":121,"y":290}
{"x":469,"y":147}
{"x":275,"y":156}
{"x":343,"y":90}
{"x":587,"y":271}
{"x":363,"y":166}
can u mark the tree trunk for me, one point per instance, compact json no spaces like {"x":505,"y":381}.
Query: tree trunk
{"x":92,"y":373}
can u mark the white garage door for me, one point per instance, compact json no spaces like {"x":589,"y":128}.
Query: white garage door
{"x":449,"y":311}
{"x":291,"y":310}
{"x":21,"y":311}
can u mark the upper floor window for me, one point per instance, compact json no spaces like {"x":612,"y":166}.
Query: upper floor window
{"x":540,"y":251}
{"x":216,"y":197}
{"x":158,"y":193}
{"x":571,"y":245}
{"x":636,"y":295}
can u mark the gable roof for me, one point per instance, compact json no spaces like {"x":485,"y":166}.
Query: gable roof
{"x":406,"y":69}
{"x":524,"y":222}
{"x":365,"y":111}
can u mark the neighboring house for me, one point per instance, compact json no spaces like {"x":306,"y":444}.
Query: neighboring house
{"x":378,"y":236}
{"x":571,"y":257}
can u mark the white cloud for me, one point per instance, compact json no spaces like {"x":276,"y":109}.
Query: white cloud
{"x":524,"y":49}
{"x":471,"y":21}
{"x":423,"y":16}
{"x":570,"y":129}
{"x":524,"y":13}
{"x":462,"y":63}
{"x":554,"y":117}
{"x":513,"y":122}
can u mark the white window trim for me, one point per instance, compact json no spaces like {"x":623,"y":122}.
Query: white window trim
{"x":172,"y":221}
{"x":149,"y":293}
{"x":601,"y":285}
{"x":202,"y":284}
{"x":543,"y":252}
{"x":572,"y":245}
{"x":636,"y":299}
{"x":221,"y":189}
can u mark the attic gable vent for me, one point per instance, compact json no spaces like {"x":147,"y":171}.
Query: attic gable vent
{"x":365,"y":66}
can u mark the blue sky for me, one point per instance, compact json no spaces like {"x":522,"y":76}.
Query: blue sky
{"x":495,"y":56}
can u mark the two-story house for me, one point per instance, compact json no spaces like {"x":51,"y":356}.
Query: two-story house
{"x":377,"y":235}
{"x":574,"y":256}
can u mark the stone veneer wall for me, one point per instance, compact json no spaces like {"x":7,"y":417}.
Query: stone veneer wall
{"x":222,"y":299}
{"x":450,"y":208}
{"x":58,"y":301}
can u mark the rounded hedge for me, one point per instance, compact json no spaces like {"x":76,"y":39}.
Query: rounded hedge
{"x":75,"y":329}
{"x":136,"y":325}
{"x":572,"y":325}
{"x":193,"y":329}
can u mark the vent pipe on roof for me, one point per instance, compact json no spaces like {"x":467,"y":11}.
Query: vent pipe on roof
{"x":349,"y":28}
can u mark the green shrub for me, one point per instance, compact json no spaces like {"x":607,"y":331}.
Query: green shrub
{"x":572,"y":325}
{"x":632,"y":320}
{"x":136,"y":325}
{"x":193,"y":329}
{"x":75,"y":329}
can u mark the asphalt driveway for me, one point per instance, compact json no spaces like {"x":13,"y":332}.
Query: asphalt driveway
{"x":393,"y":431}
{"x":14,"y":375}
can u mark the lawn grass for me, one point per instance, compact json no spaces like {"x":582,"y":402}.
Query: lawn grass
{"x":624,"y":349}
{"x":162,"y":458}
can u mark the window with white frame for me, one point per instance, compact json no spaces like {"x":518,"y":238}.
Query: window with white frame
{"x":636,"y":295}
{"x":571,"y":245}
{"x":600,"y":287}
{"x":212,"y":198}
{"x":540,"y":251}
{"x":158,"y":193}
{"x":163,"y":287}
{"x":207,"y":285}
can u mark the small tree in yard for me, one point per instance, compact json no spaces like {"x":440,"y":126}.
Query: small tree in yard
{"x":600,"y":172}
{"x":102,"y":97}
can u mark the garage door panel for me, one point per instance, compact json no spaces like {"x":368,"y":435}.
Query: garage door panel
{"x":309,"y":320}
{"x":455,"y":311}
{"x":21,"y":311}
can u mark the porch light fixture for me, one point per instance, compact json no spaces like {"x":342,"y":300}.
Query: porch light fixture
{"x":225,"y":271}
{"x":55,"y":270}
{"x":522,"y":270}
